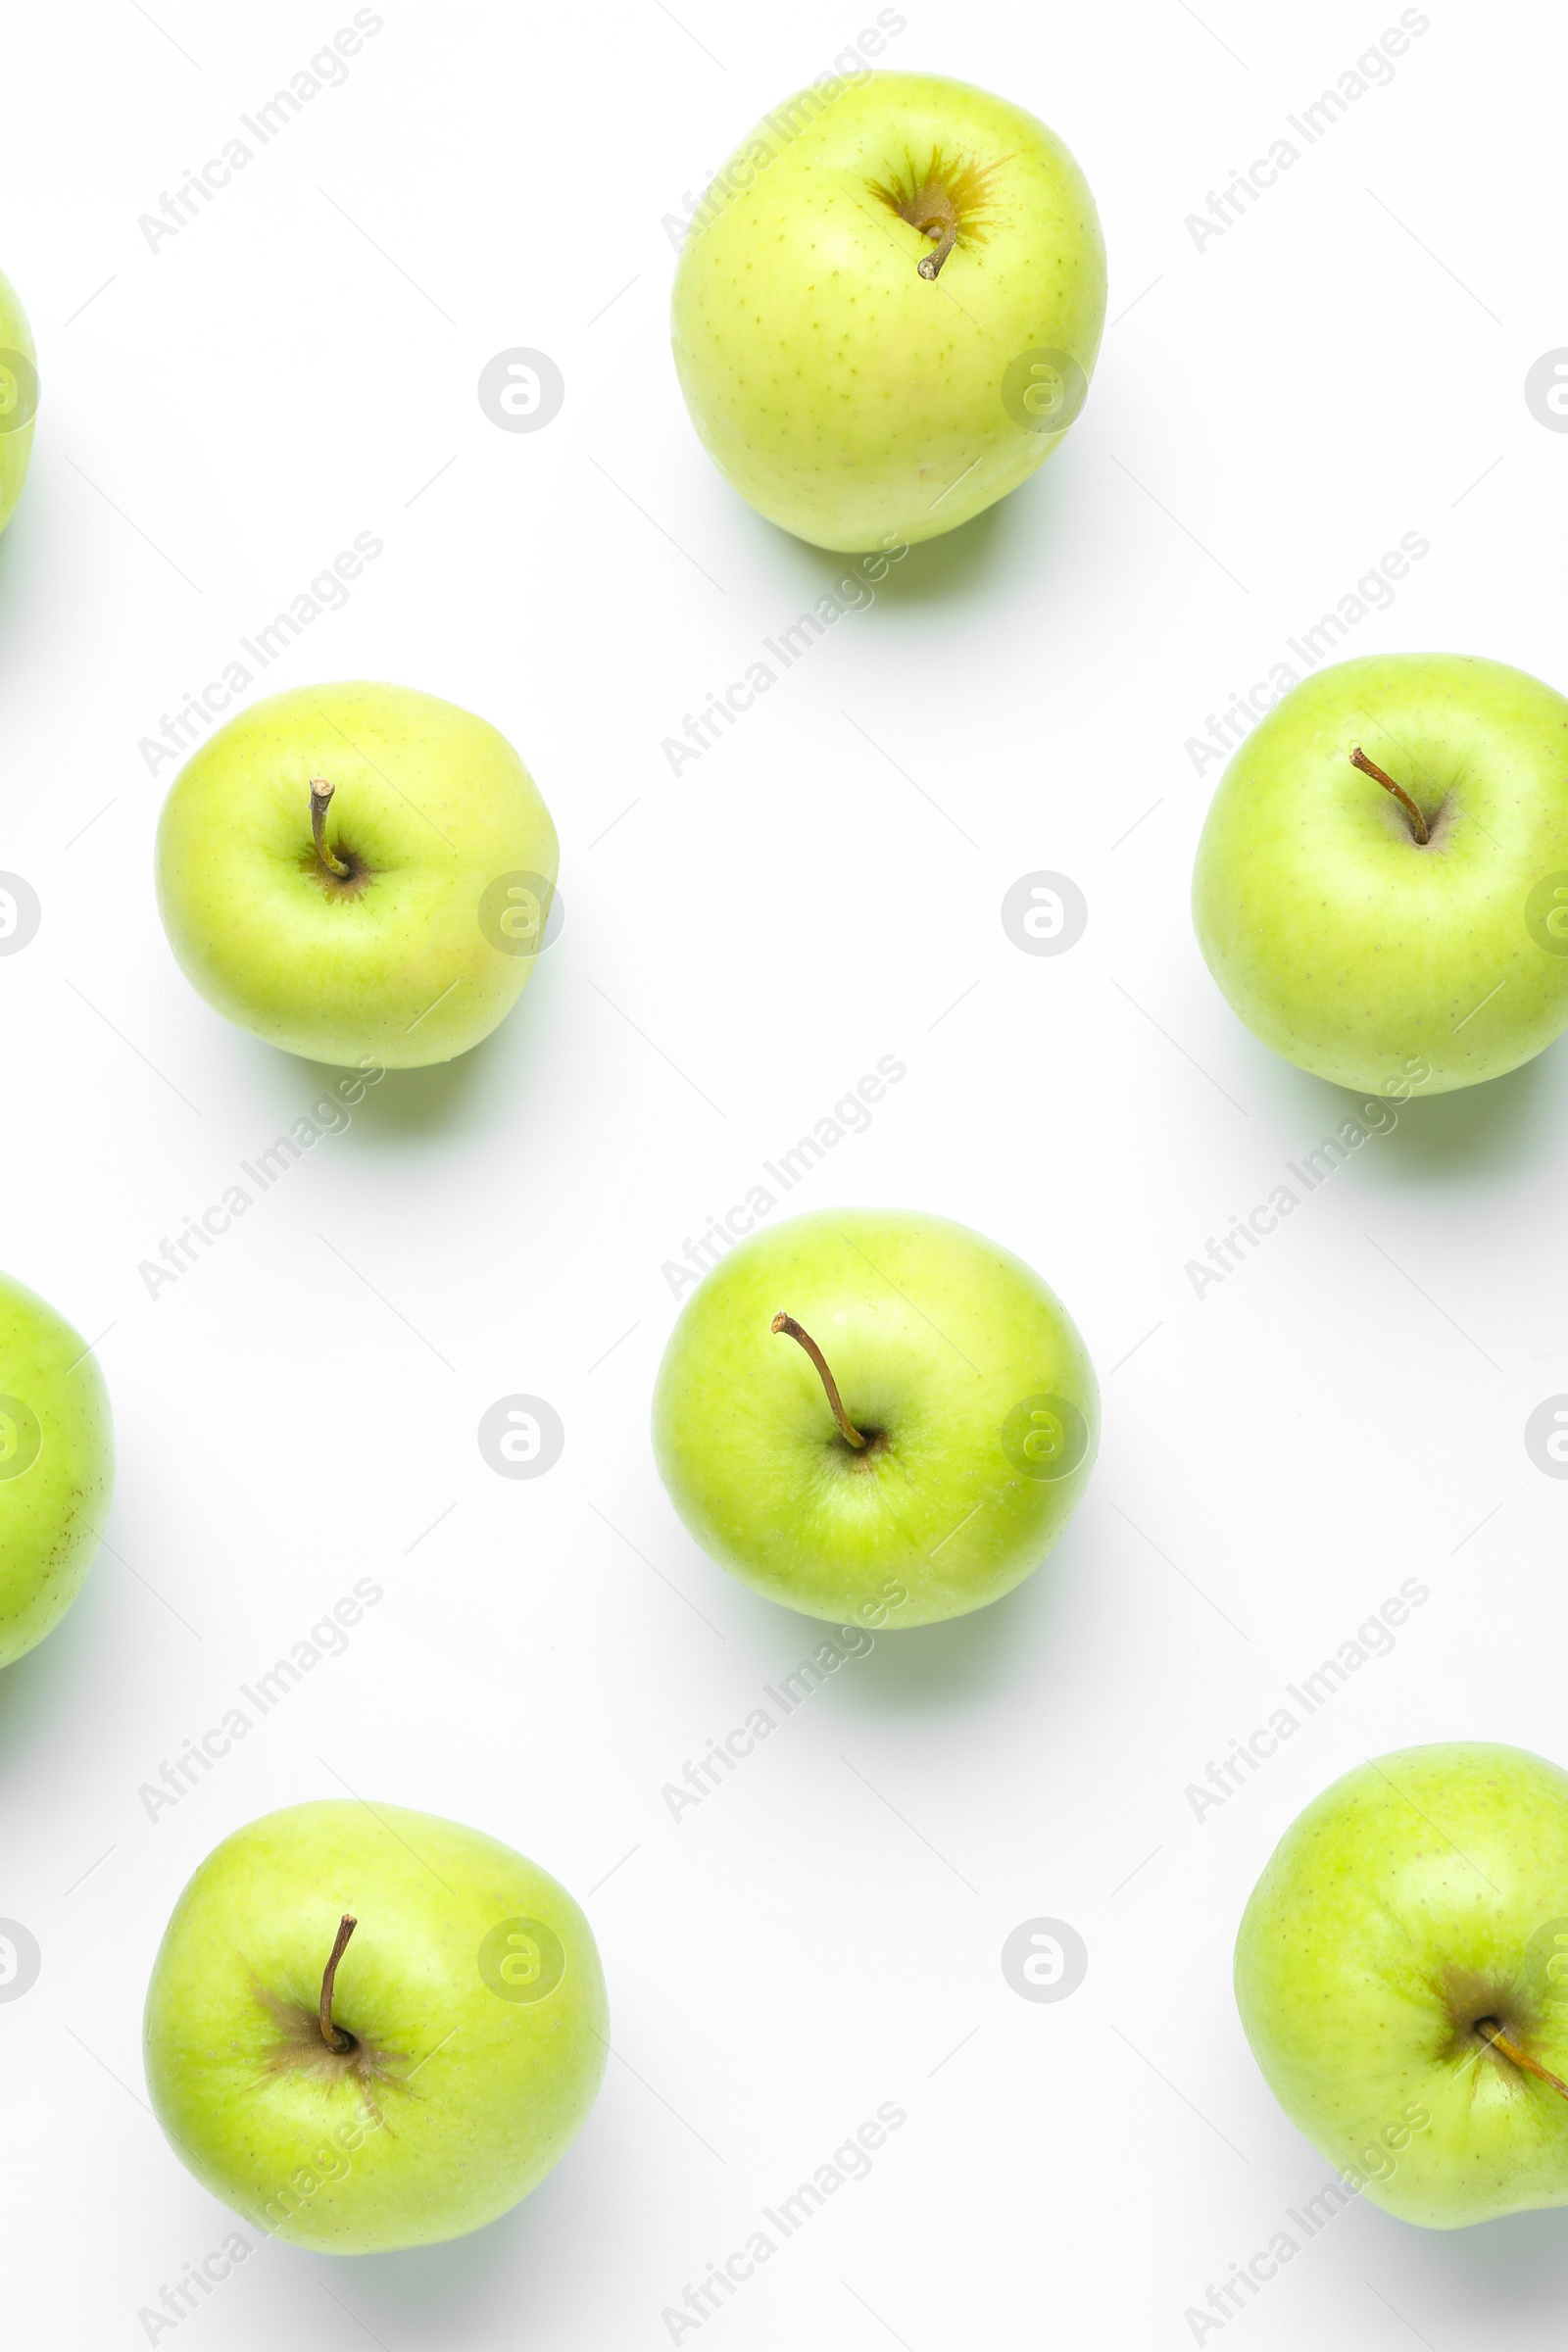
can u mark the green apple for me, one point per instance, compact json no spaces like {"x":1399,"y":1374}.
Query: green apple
{"x":57,"y":1467}
{"x":18,"y":398}
{"x":1382,"y":883}
{"x":1402,"y":1972}
{"x":362,"y":874}
{"x":888,"y":308}
{"x":875,"y":1415}
{"x":369,"y":2028}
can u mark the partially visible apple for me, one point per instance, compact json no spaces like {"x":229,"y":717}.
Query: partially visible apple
{"x":18,"y":398}
{"x":1402,"y":1972}
{"x":1382,"y":884}
{"x":870,"y":1414}
{"x":369,"y":2028}
{"x":362,"y":874}
{"x":57,"y":1467}
{"x":888,"y":308}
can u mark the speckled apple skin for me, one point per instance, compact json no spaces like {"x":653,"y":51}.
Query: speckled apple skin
{"x":849,"y":399}
{"x":1340,"y":941}
{"x":54,"y":1511}
{"x":16,"y":446}
{"x":474,"y":2095}
{"x":1420,"y":1892}
{"x":935,"y":1335}
{"x":438,"y":804}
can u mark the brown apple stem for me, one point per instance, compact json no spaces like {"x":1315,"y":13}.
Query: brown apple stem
{"x":1491,"y":2031}
{"x":320,"y":796}
{"x":931,"y":210}
{"x":1370,"y":767}
{"x":789,"y":1323}
{"x":333,"y":2036}
{"x":944,"y":235}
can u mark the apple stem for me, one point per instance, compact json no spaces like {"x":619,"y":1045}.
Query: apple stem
{"x":1370,"y":767}
{"x":333,"y":2036}
{"x":1492,"y":2034}
{"x":320,"y":796}
{"x":932,"y":211}
{"x":943,"y":231}
{"x":787,"y":1323}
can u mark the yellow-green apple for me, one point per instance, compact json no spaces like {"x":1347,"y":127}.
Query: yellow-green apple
{"x":369,"y":2028}
{"x":870,"y":1414}
{"x":18,"y":398}
{"x":360,"y":873}
{"x":888,"y":307}
{"x":1382,"y":883}
{"x":57,"y":1467}
{"x":1402,"y":1972}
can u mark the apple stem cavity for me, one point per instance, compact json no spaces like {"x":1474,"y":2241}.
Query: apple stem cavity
{"x":787,"y":1323}
{"x":1494,"y":2036}
{"x":333,"y":2036}
{"x":943,"y":231}
{"x":321,"y":798}
{"x":931,"y":210}
{"x":1370,"y":767}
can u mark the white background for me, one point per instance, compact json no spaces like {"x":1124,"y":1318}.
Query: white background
{"x":1270,"y":413}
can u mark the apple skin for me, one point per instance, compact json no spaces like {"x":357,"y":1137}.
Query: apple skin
{"x":1422,"y":1891}
{"x":266,"y":2118}
{"x":15,"y":447}
{"x":849,"y":399}
{"x":53,"y":1511}
{"x":935,"y":1336}
{"x":396,"y":969}
{"x":1340,"y":941}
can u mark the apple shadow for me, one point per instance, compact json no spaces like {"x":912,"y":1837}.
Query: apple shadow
{"x":428,"y":2287}
{"x":1504,"y":1124}
{"x":476,"y":1089}
{"x":963,"y":1663}
{"x":986,"y":552}
{"x":954,"y":1666}
{"x":989,"y":552}
{"x":1499,"y":1127}
{"x":1516,"y":2267}
{"x":20,"y":545}
{"x":39,"y":1690}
